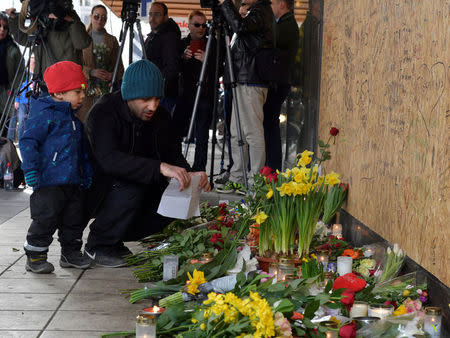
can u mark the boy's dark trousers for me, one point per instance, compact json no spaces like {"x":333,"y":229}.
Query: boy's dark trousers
{"x":56,"y":208}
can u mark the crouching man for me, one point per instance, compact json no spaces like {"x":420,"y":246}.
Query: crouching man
{"x":133,"y":153}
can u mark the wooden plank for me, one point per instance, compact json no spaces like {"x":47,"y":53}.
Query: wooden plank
{"x":385,"y":84}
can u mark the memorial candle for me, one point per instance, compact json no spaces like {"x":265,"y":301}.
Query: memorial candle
{"x":344,"y":265}
{"x":337,"y":230}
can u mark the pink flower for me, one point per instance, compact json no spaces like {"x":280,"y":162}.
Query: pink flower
{"x":282,"y":326}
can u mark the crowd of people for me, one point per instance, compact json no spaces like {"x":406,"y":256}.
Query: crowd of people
{"x":88,"y":153}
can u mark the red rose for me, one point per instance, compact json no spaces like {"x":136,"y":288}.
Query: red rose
{"x":334,"y":131}
{"x":348,"y":298}
{"x":389,"y":302}
{"x":348,"y":331}
{"x":272,"y":177}
{"x":222,"y":205}
{"x":266,"y":171}
{"x":216,"y":238}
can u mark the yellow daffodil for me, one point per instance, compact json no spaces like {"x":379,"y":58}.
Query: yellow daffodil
{"x":197,"y":278}
{"x":332,"y":178}
{"x":269,"y":194}
{"x":305,"y":158}
{"x":406,"y":293}
{"x":203,"y":326}
{"x":193,"y":320}
{"x":261,"y":217}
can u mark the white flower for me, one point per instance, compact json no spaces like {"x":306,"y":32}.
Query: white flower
{"x":395,"y":248}
{"x":400,"y":252}
{"x":389,"y":250}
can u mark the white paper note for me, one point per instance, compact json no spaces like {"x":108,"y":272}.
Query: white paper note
{"x":181,"y":204}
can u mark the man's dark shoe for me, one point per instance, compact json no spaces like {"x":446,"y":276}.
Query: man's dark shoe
{"x":37,"y":263}
{"x":110,"y":259}
{"x":75,"y":259}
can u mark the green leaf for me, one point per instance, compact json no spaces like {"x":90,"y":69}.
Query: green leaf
{"x":329,"y":286}
{"x":277,"y":287}
{"x":240,"y":280}
{"x":285,"y":306}
{"x":307,"y":322}
{"x":311,"y":308}
{"x":322,"y":298}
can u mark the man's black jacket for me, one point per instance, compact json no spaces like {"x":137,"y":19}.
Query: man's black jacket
{"x":126,"y":148}
{"x":252,"y":33}
{"x":163,"y":49}
{"x":288,"y":41}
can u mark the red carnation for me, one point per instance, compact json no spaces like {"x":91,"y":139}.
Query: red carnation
{"x":349,"y":281}
{"x":348,"y":331}
{"x":334,"y":131}
{"x":266,"y":171}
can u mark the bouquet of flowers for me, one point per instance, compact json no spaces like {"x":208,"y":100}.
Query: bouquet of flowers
{"x":392,"y":263}
{"x":98,"y":87}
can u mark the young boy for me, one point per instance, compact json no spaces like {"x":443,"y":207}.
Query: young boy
{"x":56,"y":166}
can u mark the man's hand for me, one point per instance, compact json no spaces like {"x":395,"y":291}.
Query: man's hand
{"x":101,"y":74}
{"x":204,"y":184}
{"x":200,"y":55}
{"x":221,"y":2}
{"x":176,"y":172}
{"x":187,"y":53}
{"x":16,"y":105}
{"x":11,"y":12}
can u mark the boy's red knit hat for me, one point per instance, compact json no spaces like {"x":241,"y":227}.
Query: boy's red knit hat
{"x":64,"y":76}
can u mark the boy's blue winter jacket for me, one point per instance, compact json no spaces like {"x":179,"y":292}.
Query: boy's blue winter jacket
{"x":52,"y":144}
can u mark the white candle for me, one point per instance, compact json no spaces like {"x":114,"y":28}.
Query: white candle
{"x":359,"y":309}
{"x":337,"y":230}
{"x":433,"y":321}
{"x":380,"y":310}
{"x":368,"y":252}
{"x":344,"y":265}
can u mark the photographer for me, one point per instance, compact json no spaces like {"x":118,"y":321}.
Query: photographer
{"x":64,"y":35}
{"x":252,"y":33}
{"x":194,"y":46}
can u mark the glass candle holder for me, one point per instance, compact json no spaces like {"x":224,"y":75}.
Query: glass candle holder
{"x":359,"y":309}
{"x":344,"y":265}
{"x":322,"y":257}
{"x":170,"y":267}
{"x":337,"y":230}
{"x":433,"y":321}
{"x":286,"y":266}
{"x":206,"y":257}
{"x":380,"y":310}
{"x":273,"y":270}
{"x":331,"y":311}
{"x":331,"y":328}
{"x":327,"y":276}
{"x":145,"y":326}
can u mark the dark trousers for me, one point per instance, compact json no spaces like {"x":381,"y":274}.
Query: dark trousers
{"x":272,"y":137}
{"x":56,"y":208}
{"x":127,"y":213}
{"x":181,"y":121}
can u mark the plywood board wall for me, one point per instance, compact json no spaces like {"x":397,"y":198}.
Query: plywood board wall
{"x":385,"y":83}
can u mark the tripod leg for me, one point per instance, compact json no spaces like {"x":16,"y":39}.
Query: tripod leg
{"x":200,"y":84}
{"x":141,"y":39}
{"x":236,"y":106}
{"x":119,"y":56}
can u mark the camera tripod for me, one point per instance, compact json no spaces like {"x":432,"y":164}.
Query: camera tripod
{"x":129,"y":18}
{"x":20,"y":76}
{"x":219,"y":29}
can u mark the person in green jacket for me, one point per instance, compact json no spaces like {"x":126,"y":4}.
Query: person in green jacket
{"x":64,"y":40}
{"x":10,"y":61}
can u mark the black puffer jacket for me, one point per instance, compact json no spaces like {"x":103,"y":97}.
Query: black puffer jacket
{"x":252,"y":33}
{"x":163,"y":49}
{"x":127,"y":148}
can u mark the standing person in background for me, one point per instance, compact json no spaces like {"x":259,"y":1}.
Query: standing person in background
{"x":65,"y":37}
{"x":10,"y":62}
{"x":99,"y":60}
{"x":22,"y":106}
{"x":163,"y":47}
{"x":192,"y":61}
{"x":287,"y":41}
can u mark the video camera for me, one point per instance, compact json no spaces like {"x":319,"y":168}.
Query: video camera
{"x":40,"y":9}
{"x":209,"y":3}
{"x":129,"y":10}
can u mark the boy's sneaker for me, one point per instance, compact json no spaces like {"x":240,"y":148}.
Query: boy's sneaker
{"x":228,"y":188}
{"x":75,"y":259}
{"x":37,"y":263}
{"x":107,"y":259}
